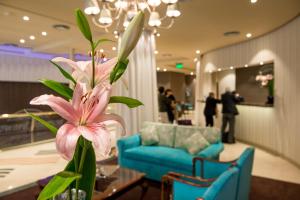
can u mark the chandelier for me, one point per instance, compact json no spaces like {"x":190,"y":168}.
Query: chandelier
{"x":105,"y":13}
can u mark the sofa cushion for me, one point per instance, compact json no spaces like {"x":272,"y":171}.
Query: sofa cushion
{"x":184,"y":132}
{"x":195,"y":143}
{"x":212,"y":135}
{"x":149,"y":135}
{"x":165,"y":132}
{"x":160,"y":155}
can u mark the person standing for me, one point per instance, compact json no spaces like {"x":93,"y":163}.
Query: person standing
{"x":210,"y":109}
{"x":163,"y":102}
{"x":229,"y":111}
{"x":171,"y":106}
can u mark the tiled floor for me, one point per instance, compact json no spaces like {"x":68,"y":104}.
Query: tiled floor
{"x":24,"y":166}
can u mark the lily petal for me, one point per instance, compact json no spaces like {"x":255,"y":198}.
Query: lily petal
{"x":79,"y":91}
{"x":69,"y":62}
{"x":98,"y":135}
{"x":112,"y":118}
{"x":59,"y":105}
{"x":66,"y":140}
{"x":103,"y":95}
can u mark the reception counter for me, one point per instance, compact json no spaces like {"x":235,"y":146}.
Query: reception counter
{"x":254,"y":125}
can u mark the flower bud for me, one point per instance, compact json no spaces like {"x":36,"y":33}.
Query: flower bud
{"x":131,"y":36}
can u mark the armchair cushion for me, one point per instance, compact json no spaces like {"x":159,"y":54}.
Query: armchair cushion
{"x":184,"y":191}
{"x":195,"y":143}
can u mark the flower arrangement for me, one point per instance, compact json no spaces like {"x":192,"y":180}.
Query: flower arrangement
{"x":83,"y":106}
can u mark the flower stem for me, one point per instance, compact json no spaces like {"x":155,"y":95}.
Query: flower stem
{"x":93,"y":65}
{"x":82,"y":159}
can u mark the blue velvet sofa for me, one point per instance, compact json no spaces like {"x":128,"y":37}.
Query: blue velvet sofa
{"x":156,"y":161}
{"x":217,"y":181}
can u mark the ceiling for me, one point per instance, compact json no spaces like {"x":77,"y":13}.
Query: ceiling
{"x":201,"y":26}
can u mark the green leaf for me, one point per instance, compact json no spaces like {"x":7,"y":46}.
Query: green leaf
{"x":101,"y":41}
{"x":87,"y":182}
{"x":58,"y":184}
{"x":48,"y":125}
{"x":118,"y":70}
{"x":64,"y":72}
{"x":130,"y":102}
{"x":59,"y":88}
{"x":83,"y":25}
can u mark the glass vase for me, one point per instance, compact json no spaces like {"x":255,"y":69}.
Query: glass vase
{"x":71,"y":195}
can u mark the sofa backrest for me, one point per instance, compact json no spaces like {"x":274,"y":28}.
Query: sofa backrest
{"x":184,"y":132}
{"x":245,"y":163}
{"x":165,"y":132}
{"x":224,"y":187}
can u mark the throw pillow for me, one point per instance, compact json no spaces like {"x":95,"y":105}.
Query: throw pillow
{"x":182,"y":133}
{"x":195,"y":143}
{"x":149,"y":135}
{"x":166,"y":133}
{"x":212,"y":135}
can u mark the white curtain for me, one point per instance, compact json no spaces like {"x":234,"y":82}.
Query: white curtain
{"x":139,"y":82}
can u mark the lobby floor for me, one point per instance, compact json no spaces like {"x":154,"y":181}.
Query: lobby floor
{"x":20,"y":168}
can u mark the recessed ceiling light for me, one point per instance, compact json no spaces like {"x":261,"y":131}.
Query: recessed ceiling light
{"x":157,"y":34}
{"x":248,"y":35}
{"x":22,"y":41}
{"x":165,"y":70}
{"x":44,"y":33}
{"x":157,"y":68}
{"x":101,"y":50}
{"x":197,"y":51}
{"x":114,"y":48}
{"x":116,"y":36}
{"x":116,"y":32}
{"x":156,"y":52}
{"x":253,"y":1}
{"x":219,"y":69}
{"x":61,"y":27}
{"x":26,"y":18}
{"x":192,"y":73}
{"x":195,"y":59}
{"x":261,"y":63}
{"x":246,"y":65}
{"x":231,"y":67}
{"x":32,"y":37}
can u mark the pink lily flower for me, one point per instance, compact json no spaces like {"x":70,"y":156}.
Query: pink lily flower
{"x":83,"y":70}
{"x":85,"y":116}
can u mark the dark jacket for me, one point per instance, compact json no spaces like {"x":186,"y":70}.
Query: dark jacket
{"x":163,"y":103}
{"x":228,"y":102}
{"x":211,"y":106}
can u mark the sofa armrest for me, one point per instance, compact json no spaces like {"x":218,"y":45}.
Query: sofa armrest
{"x":212,"y":151}
{"x":128,"y":142}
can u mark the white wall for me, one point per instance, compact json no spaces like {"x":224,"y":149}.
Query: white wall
{"x":280,"y":132}
{"x":20,"y":68}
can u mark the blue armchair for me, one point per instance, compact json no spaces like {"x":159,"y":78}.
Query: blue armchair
{"x":211,"y":168}
{"x":196,"y":188}
{"x":218,"y":180}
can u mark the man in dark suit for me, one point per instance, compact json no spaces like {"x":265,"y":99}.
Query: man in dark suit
{"x":229,"y":111}
{"x":210,"y":109}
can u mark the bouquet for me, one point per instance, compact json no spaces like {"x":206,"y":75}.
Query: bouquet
{"x":83,"y":106}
